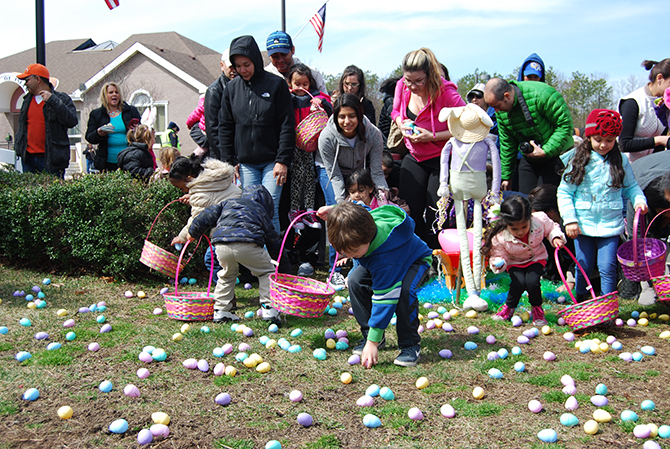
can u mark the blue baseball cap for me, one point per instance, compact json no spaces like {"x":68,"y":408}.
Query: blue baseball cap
{"x":279,"y":42}
{"x":533,"y":69}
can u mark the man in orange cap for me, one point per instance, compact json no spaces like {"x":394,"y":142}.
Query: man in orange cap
{"x":42,"y":142}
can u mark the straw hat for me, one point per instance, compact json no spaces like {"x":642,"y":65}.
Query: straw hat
{"x":468,"y":123}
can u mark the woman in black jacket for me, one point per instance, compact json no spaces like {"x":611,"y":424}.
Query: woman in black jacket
{"x":256,"y":122}
{"x":138,"y":158}
{"x":111,"y":140}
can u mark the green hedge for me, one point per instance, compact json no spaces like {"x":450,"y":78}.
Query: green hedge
{"x":97,"y":223}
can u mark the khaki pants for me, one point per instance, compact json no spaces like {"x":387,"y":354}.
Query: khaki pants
{"x":250,"y":255}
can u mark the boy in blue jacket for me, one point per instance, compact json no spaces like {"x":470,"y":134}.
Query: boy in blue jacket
{"x":393,"y":262}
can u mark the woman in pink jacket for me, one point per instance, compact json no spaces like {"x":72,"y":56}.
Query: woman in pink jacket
{"x":420,"y":95}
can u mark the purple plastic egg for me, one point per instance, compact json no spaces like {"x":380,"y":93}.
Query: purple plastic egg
{"x":445,"y":354}
{"x":354,"y":360}
{"x":651,"y":444}
{"x":569,"y":336}
{"x":84,"y":310}
{"x":143,"y":373}
{"x":157,"y":311}
{"x":159,"y":430}
{"x":343,"y":340}
{"x":341,"y":334}
{"x":365,"y":401}
{"x":549,"y":356}
{"x":93,"y":347}
{"x":106,"y":328}
{"x":163,"y":291}
{"x":415,"y":414}
{"x":146,"y":357}
{"x":522,"y":339}
{"x":561,"y":321}
{"x":421,"y":328}
{"x":610,"y":339}
{"x":626,"y":356}
{"x":244,"y":347}
{"x":529,"y":333}
{"x":145,"y":437}
{"x":516,"y":321}
{"x":490,"y":339}
{"x":305,"y":419}
{"x":447,"y":327}
{"x":493,"y":355}
{"x":41,"y":336}
{"x":432,"y":315}
{"x":203,"y":365}
{"x":222,"y":399}
{"x":131,"y":391}
{"x":642,"y":431}
{"x":618,"y":322}
{"x":430,"y":325}
{"x":473,"y":330}
{"x":247,"y":286}
{"x":36,"y":289}
{"x":599,"y":400}
{"x":631,"y":322}
{"x":350,"y":311}
{"x":248,"y":332}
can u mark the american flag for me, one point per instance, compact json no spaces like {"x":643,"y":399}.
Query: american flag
{"x":318,"y":21}
{"x":111,"y":4}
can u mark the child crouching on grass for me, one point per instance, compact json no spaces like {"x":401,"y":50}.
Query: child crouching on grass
{"x":393,"y":263}
{"x":243,"y":226}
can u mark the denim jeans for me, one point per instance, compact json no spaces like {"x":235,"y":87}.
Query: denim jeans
{"x":587,"y":250}
{"x":254,"y":174}
{"x":329,"y":195}
{"x":36,"y":164}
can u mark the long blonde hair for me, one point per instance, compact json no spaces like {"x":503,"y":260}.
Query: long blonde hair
{"x":140,"y":134}
{"x":424,"y":60}
{"x":103,"y":95}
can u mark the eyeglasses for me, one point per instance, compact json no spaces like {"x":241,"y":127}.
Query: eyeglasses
{"x":353,"y":85}
{"x":417,"y":83}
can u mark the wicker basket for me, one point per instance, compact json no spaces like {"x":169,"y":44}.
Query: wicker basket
{"x":155,"y":257}
{"x":641,"y":259}
{"x":588,"y":313}
{"x":190,"y":306}
{"x":296,"y":295}
{"x":660,"y":282}
{"x":308,"y":131}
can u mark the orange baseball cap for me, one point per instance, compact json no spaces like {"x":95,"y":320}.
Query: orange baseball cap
{"x":34,"y":69}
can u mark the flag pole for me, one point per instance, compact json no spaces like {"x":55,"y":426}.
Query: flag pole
{"x":303,"y":27}
{"x":40,"y":45}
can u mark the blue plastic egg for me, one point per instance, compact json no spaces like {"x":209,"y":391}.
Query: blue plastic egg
{"x":105,"y":386}
{"x":41,"y":295}
{"x":664,"y":431}
{"x":320,"y":354}
{"x":192,"y":281}
{"x":23,"y":355}
{"x":293,"y":349}
{"x":648,"y":405}
{"x":29,"y":297}
{"x":263,"y":340}
{"x":495,"y":373}
{"x":635,"y":314}
{"x":470,"y":345}
{"x":249,"y":314}
{"x":46,"y":281}
{"x":296,"y":332}
{"x":386,"y":393}
{"x":548,"y":435}
{"x":273,"y":328}
{"x":53,"y":346}
{"x":373,"y":391}
{"x":204,"y":329}
{"x":25,"y":322}
{"x":285,"y":345}
{"x":241,"y":356}
{"x":233,"y":327}
{"x":601,"y":389}
{"x":183,"y":280}
{"x":371,"y":421}
{"x":3,"y":330}
{"x":629,"y":416}
{"x":648,"y":350}
{"x":516,"y":350}
{"x":569,"y":420}
{"x":31,"y":394}
{"x":100,"y":308}
{"x":159,"y":355}
{"x":637,"y":356}
{"x":118,"y":426}
{"x":100,"y":319}
{"x":503,"y":353}
{"x":273,"y":444}
{"x":341,"y":346}
{"x":70,"y":336}
{"x":519,"y":367}
{"x":337,"y":305}
{"x":617,"y":346}
{"x":40,"y":304}
{"x":332,"y":312}
{"x":217,"y":352}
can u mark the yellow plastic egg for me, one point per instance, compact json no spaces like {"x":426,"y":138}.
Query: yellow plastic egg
{"x":664,"y":317}
{"x":643,"y":322}
{"x":422,"y":383}
{"x":177,"y":337}
{"x":160,"y":418}
{"x":230,"y":371}
{"x":141,"y":294}
{"x":185,"y":328}
{"x":346,"y":378}
{"x":420,"y":317}
{"x":271,"y":343}
{"x":478,"y":393}
{"x":595,"y":348}
{"x":256,"y":357}
{"x":31,"y":305}
{"x":65,"y":412}
{"x":604,"y":347}
{"x":250,"y":362}
{"x":61,"y":312}
{"x":438,"y":323}
{"x":546,"y":330}
{"x":653,"y":430}
{"x":591,"y":427}
{"x":525,"y":316}
{"x":263,"y":367}
{"x":652,"y":316}
{"x":596,"y":341}
{"x":337,"y":299}
{"x":578,"y":344}
{"x":665,"y":335}
{"x":240,"y":328}
{"x":601,"y":415}
{"x":644,"y":315}
{"x":0,"y":301}
{"x":330,"y":343}
{"x":471,"y":314}
{"x":454,"y":312}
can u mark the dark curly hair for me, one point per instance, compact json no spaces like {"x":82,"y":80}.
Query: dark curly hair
{"x":513,"y":209}
{"x":583,"y":156}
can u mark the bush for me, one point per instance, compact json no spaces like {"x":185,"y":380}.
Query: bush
{"x":97,"y":223}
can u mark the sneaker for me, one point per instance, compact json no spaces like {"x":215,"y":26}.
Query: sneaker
{"x":504,"y":314}
{"x":358,"y":349}
{"x":408,"y":356}
{"x":298,"y":225}
{"x":305,"y":269}
{"x":311,"y":221}
{"x":221,"y":316}
{"x":269,"y":314}
{"x":337,"y":281}
{"x":538,"y":316}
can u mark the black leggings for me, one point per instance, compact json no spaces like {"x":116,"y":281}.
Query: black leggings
{"x":542,"y":171}
{"x":525,"y":279}
{"x":419,"y":182}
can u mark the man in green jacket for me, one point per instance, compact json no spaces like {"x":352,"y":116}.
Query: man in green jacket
{"x":541,"y":137}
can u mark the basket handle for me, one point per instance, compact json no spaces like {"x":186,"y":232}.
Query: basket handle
{"x":636,"y":222}
{"x":281,"y":249}
{"x":646,"y":259}
{"x":310,"y":94}
{"x":211,"y":263}
{"x":560,"y":272}
{"x":159,"y":214}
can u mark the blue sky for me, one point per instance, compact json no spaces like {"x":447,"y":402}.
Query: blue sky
{"x":604,"y":37}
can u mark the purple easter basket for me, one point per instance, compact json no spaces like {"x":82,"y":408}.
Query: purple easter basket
{"x":641,"y":259}
{"x":190,"y":306}
{"x":588,"y":313}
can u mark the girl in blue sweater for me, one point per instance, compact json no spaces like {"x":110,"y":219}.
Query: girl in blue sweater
{"x":590,"y":198}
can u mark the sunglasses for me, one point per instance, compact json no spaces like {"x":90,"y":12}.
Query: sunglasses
{"x":475,"y":94}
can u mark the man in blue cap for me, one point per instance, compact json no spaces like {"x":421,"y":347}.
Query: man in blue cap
{"x":281,"y":50}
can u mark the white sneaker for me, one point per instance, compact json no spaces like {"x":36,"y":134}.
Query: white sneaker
{"x":337,"y":281}
{"x":269,"y":314}
{"x":221,"y":316}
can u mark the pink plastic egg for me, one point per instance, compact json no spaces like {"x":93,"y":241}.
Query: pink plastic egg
{"x":68,"y":323}
{"x":128,"y":294}
{"x":159,"y":430}
{"x":243,"y":347}
{"x":227,"y":348}
{"x":415,"y":414}
{"x":570,"y":390}
{"x":631,"y":322}
{"x":571,"y":404}
{"x":430,"y":325}
{"x":132,"y":391}
{"x":158,"y":311}
{"x":549,"y":356}
{"x":190,"y":363}
{"x":142,"y":373}
{"x":295,"y":396}
{"x":365,"y":401}
{"x":618,"y":322}
{"x":642,"y":431}
{"x":146,"y":357}
{"x":93,"y":347}
{"x":490,"y":339}
{"x":561,"y":321}
{"x":447,"y":411}
{"x":535,"y":406}
{"x":219,"y":369}
{"x":567,"y":380}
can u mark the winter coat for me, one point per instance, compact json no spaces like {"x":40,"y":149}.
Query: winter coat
{"x":552,"y":122}
{"x":532,"y":58}
{"x":99,"y":117}
{"x":596,"y":207}
{"x":212,"y":186}
{"x":369,"y":110}
{"x":212,"y":107}
{"x":256,"y":123}
{"x":385,"y":118}
{"x":646,"y":170}
{"x":247,"y":219}
{"x":59,"y":115}
{"x":198,"y":115}
{"x":137,"y":160}
{"x":515,"y":252}
{"x":427,"y":117}
{"x":340,"y":160}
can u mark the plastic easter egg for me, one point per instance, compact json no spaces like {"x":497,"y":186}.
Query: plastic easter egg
{"x":567,"y":380}
{"x":341,"y":346}
{"x":41,"y":336}
{"x":3,"y":330}
{"x":635,"y":314}
{"x":503,"y":353}
{"x":447,"y":411}
{"x":637,"y":356}
{"x":157,"y":311}
{"x":70,"y":336}
{"x":641,"y":431}
{"x":145,"y":357}
{"x":31,"y":394}
{"x":159,"y":355}
{"x":549,"y":356}
{"x":546,"y":330}
{"x":22,"y":356}
{"x":648,"y":350}
{"x":219,"y":369}
{"x":65,"y":412}
{"x":529,"y":333}
{"x":664,"y":431}
{"x":118,"y":426}
{"x":227,"y":348}
{"x":346,"y":378}
{"x":569,"y":420}
{"x":354,"y":359}
{"x":493,"y":355}
{"x":599,"y":400}
{"x":617,"y":345}
{"x":601,"y":415}
{"x":516,"y":321}
{"x":46,"y":281}
{"x":100,"y":319}
{"x":217,"y":352}
{"x":373,"y":390}
{"x":105,"y":386}
{"x":101,"y":308}
{"x":105,"y":328}
{"x":32,"y":306}
{"x":160,"y":418}
{"x":320,"y":354}
{"x":143,"y":373}
{"x":648,"y":405}
{"x":569,"y":336}
{"x":447,"y":327}
{"x":248,"y":332}
{"x":471,"y":314}
{"x":591,"y":427}
{"x":470,"y":345}
{"x":519,"y":367}
{"x":177,"y":336}
{"x":571,"y":404}
{"x":192,"y":281}
{"x":570,"y":390}
{"x":305,"y":419}
{"x":495,"y":373}
{"x":330,"y":343}
{"x":535,"y":406}
{"x":664,"y":317}
{"x":222,"y":399}
{"x":631,"y":322}
{"x":29,"y":297}
{"x":128,"y":294}
{"x":629,"y":416}
{"x":516,"y":350}
{"x":244,"y":347}
{"x":365,"y":401}
{"x":651,"y":444}
{"x":132,"y":391}
{"x":295,"y":396}
{"x":522,"y":340}
{"x":445,"y":353}
{"x":421,"y":383}
{"x":473,"y":330}
{"x":230,"y":371}
{"x":643,"y":322}
{"x":247,"y":286}
{"x":39,"y":304}
{"x":273,"y":328}
{"x":478,"y":393}
{"x":25,"y":322}
{"x":53,"y":346}
{"x":415,"y":414}
{"x":547,"y":436}
{"x":293,"y":349}
{"x":185,"y":328}
{"x":386,"y":394}
{"x":296,"y":333}
{"x":249,"y":314}
{"x":159,"y":430}
{"x":145,"y":437}
{"x":273,"y":444}
{"x":371,"y":421}
{"x":601,"y":389}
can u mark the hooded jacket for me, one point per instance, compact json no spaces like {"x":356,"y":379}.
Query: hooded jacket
{"x":341,"y":160}
{"x":137,"y":160}
{"x":256,"y":123}
{"x":532,"y":58}
{"x":212,"y":108}
{"x":212,"y":186}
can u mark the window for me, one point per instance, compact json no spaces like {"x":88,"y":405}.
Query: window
{"x":75,"y":133}
{"x":142,"y":100}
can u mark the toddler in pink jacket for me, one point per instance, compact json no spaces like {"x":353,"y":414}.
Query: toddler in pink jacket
{"x":514,"y":244}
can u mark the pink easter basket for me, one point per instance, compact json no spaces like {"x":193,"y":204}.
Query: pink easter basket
{"x":297,"y":295}
{"x":191,"y":306}
{"x":308,"y":131}
{"x":641,"y":259}
{"x":588,"y":313}
{"x":660,"y":282}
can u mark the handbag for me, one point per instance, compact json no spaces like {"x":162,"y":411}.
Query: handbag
{"x":396,"y":141}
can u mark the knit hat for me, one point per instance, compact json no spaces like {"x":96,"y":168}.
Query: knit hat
{"x":468,"y":123}
{"x":278,"y":42}
{"x":603,"y":122}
